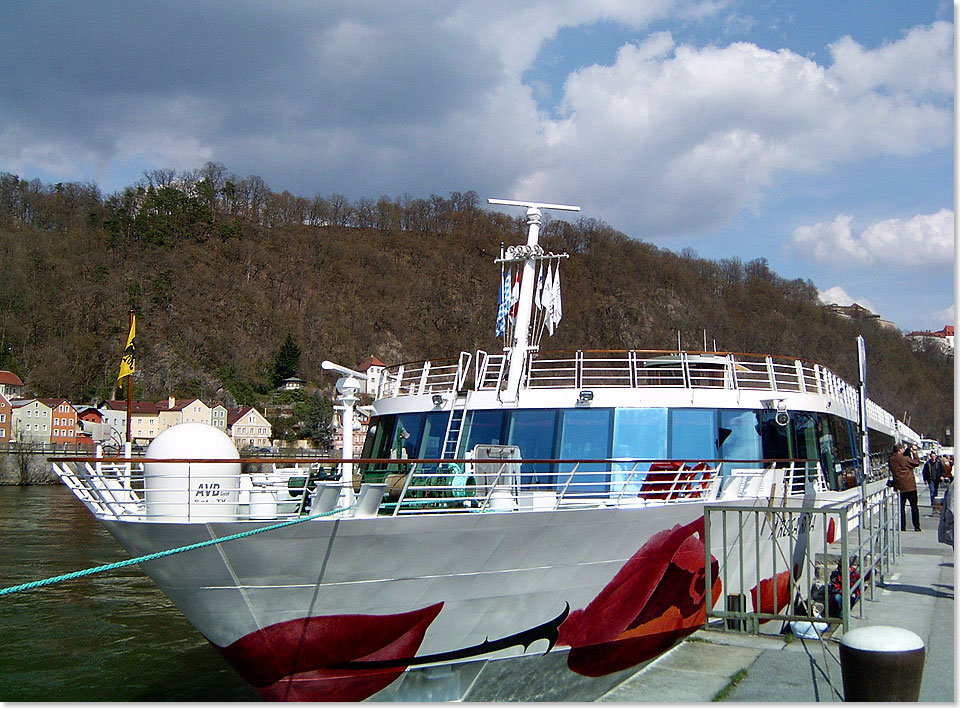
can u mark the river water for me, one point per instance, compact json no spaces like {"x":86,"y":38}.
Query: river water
{"x":107,"y":637}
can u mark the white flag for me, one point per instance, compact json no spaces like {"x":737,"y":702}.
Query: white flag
{"x":548,"y":302}
{"x":557,"y":300}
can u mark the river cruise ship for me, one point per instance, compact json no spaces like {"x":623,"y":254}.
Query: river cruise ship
{"x":524,"y":525}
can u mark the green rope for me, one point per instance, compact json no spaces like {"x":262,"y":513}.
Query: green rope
{"x":160,"y":554}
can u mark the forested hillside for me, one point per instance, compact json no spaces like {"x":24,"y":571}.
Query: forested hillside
{"x":220,"y":270}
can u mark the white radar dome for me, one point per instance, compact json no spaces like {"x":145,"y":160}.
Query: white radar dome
{"x":193,"y":440}
{"x":191,"y":490}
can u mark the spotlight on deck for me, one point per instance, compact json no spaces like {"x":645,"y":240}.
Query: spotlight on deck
{"x":585,"y":398}
{"x":437,"y":400}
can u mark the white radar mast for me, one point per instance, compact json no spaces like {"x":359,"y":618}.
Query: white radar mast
{"x":348,"y":386}
{"x":528,"y":256}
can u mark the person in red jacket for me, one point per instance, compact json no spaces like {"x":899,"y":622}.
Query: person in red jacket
{"x":904,"y":481}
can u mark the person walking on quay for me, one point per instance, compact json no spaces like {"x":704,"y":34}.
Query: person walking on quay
{"x":945,"y":528}
{"x":933,"y":475}
{"x":901,"y":467}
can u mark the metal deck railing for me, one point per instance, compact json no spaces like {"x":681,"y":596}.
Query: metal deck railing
{"x":217,"y":490}
{"x":631,"y":369}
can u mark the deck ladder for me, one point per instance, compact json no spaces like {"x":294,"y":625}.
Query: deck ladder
{"x":451,"y":438}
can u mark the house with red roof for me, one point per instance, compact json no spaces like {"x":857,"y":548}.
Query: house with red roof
{"x":942,"y":339}
{"x":63,"y":421}
{"x":10,"y":385}
{"x":248,"y":427}
{"x":144,"y":420}
{"x":189,"y":410}
{"x":6,"y":419}
{"x":372,"y":367}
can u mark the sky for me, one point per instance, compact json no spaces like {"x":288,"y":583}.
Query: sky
{"x":818,"y":135}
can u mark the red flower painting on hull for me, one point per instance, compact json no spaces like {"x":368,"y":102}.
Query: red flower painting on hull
{"x":297,"y":660}
{"x":769,"y":602}
{"x":657,"y":597}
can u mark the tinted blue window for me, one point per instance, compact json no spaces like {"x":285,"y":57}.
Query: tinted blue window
{"x":433,"y":431}
{"x":482,"y":428}
{"x":534,"y":432}
{"x":407,"y":435}
{"x":805,"y":442}
{"x":739,"y":437}
{"x":637,"y":433}
{"x":585,"y":434}
{"x":776,"y":442}
{"x":379,"y":435}
{"x":693,"y":434}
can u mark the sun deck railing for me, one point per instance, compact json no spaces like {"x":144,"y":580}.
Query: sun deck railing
{"x":252,"y":490}
{"x":630,"y":369}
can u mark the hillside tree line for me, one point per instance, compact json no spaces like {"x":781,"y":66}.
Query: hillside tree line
{"x":223,"y":272}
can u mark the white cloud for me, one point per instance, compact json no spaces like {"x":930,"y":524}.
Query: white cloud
{"x":924,"y":240}
{"x":838,"y":296}
{"x":946,"y":316}
{"x":911,"y":66}
{"x":363,"y":99}
{"x":676,"y":138}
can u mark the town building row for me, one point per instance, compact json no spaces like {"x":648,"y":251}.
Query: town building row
{"x":58,"y":422}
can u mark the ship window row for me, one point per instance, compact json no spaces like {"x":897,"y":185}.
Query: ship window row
{"x":631,"y":433}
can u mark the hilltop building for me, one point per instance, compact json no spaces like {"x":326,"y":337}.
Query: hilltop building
{"x":292,"y":384}
{"x":942,"y":340}
{"x":859,"y":312}
{"x":372,"y":367}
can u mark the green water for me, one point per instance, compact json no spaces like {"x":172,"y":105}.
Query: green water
{"x":107,"y":637}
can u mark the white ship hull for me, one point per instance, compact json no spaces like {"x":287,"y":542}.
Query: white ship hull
{"x":343,"y":609}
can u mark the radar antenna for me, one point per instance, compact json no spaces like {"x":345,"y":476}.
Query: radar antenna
{"x":533,"y":205}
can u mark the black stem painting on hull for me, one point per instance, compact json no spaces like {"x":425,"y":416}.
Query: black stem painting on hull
{"x":547,"y":630}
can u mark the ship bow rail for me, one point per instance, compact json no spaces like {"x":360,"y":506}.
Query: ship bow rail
{"x":192,"y":491}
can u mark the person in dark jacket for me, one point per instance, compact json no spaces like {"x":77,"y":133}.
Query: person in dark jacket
{"x":901,"y":468}
{"x":933,"y":474}
{"x":945,"y":528}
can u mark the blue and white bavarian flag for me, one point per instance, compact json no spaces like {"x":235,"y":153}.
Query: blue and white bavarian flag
{"x":503,"y":304}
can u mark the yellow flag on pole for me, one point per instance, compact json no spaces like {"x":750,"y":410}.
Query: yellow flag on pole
{"x":128,"y":363}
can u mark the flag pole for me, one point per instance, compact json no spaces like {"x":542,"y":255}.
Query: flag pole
{"x":129,"y":390}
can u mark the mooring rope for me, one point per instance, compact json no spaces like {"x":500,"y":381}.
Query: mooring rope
{"x":160,"y":554}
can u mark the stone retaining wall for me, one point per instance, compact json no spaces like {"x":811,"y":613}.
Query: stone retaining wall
{"x":26,"y":468}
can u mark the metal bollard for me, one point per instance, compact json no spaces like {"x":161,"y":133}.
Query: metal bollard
{"x":881,"y":664}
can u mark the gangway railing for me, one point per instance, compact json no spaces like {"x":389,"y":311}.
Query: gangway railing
{"x":786,"y":561}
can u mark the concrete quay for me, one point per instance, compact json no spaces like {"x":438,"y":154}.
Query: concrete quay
{"x":918,"y":595}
